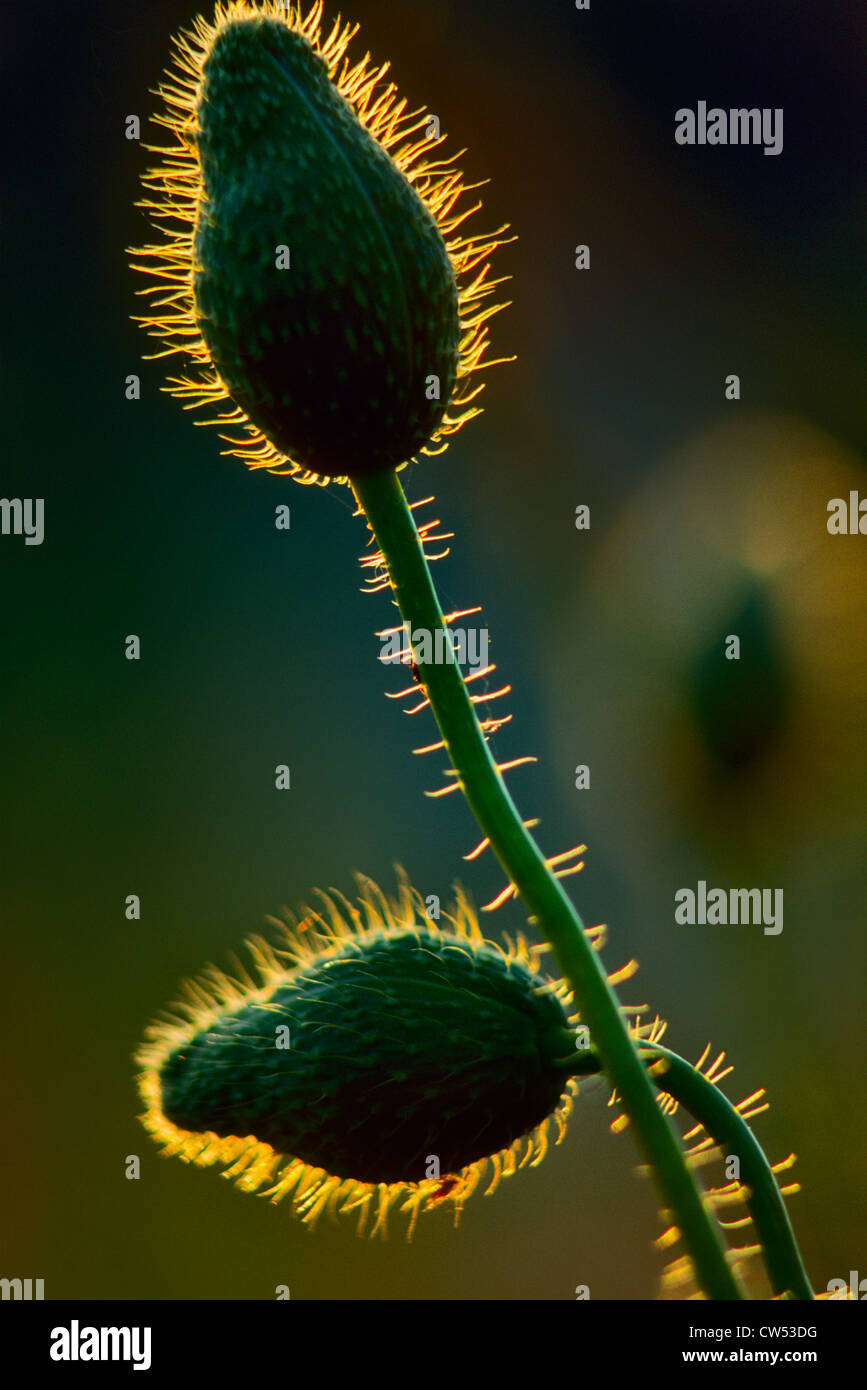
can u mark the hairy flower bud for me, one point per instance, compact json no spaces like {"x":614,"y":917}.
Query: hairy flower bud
{"x":312,"y":271}
{"x":376,"y":1051}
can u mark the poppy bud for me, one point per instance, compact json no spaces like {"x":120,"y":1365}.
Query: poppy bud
{"x":312,"y":273}
{"x":377,"y":1051}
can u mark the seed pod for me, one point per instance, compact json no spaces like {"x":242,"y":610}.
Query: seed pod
{"x":312,"y":266}
{"x":377,"y":1056}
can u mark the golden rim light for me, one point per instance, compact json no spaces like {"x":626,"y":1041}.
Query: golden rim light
{"x":319,"y":936}
{"x":176,"y":183}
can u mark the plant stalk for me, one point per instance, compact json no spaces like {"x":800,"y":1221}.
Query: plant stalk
{"x":382,"y":499}
{"x":732,"y":1135}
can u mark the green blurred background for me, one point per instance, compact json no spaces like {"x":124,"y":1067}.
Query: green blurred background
{"x":707,"y":517}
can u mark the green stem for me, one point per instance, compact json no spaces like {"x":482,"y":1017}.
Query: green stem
{"x":730,"y":1132}
{"x":381,"y":497}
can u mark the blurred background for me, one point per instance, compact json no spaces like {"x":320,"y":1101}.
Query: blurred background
{"x":708,"y":517}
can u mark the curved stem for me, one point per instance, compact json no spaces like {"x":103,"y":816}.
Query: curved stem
{"x":382,"y":499}
{"x":731,"y":1133}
